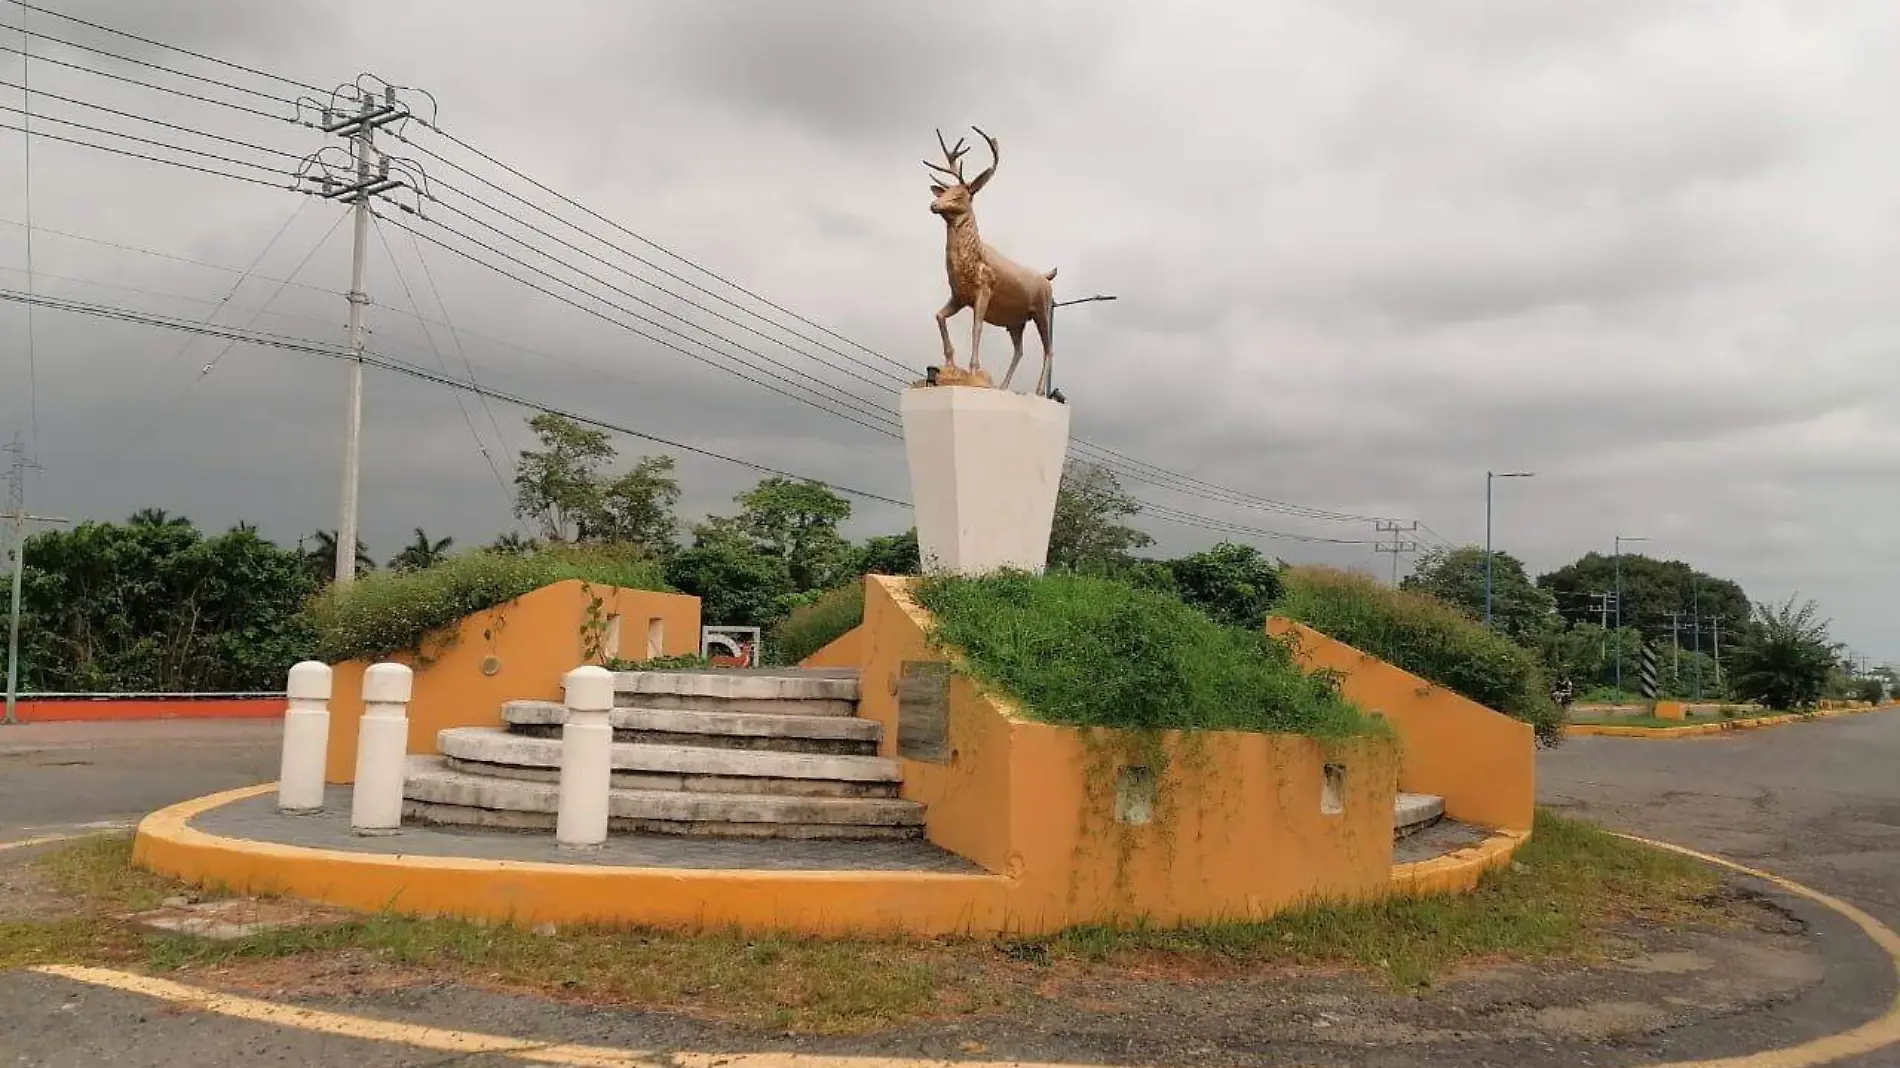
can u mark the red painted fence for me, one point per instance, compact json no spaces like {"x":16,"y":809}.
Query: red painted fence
{"x":65,"y":707}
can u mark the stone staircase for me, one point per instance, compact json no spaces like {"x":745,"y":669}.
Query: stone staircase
{"x":776,"y":753}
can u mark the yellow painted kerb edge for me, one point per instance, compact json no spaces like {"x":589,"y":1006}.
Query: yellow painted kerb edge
{"x":820,"y":902}
{"x":1458,"y":871}
{"x":1698,"y":730}
{"x":1874,"y":1035}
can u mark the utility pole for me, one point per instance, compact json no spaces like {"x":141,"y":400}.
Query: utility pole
{"x":1490,"y":477}
{"x":1620,"y":539}
{"x":1716,"y":624}
{"x":16,"y":512}
{"x":1396,"y":545}
{"x":370,"y":177}
{"x":1675,"y":644}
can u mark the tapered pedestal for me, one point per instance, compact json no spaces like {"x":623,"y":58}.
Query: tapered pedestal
{"x":985,"y":465}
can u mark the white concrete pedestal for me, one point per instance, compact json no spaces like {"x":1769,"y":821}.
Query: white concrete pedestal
{"x":985,"y":465}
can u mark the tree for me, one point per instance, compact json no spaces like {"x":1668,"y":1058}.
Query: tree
{"x":319,"y":559}
{"x":1234,"y":583}
{"x":421,"y":553}
{"x":154,"y":605}
{"x":1089,"y":532}
{"x":890,"y":554}
{"x":1784,"y":657}
{"x":737,"y":586}
{"x":637,"y":507}
{"x":513,"y":544}
{"x":1653,"y":591}
{"x":1520,"y":610}
{"x":796,"y":522}
{"x":558,"y":485}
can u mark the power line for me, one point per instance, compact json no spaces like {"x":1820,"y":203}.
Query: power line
{"x":159,"y":144}
{"x":161,"y":44}
{"x":151,"y":85}
{"x":414,"y":371}
{"x":454,"y":336}
{"x":157,"y":254}
{"x":460,"y":404}
{"x":24,"y":32}
{"x":32,"y":355}
{"x":147,"y":119}
{"x":150,"y":158}
{"x":607,"y":318}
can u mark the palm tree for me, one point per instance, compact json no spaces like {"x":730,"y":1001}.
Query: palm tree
{"x":156,"y":517}
{"x":319,"y":559}
{"x":421,"y":553}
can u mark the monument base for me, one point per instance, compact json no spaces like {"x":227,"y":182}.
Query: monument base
{"x":985,"y":465}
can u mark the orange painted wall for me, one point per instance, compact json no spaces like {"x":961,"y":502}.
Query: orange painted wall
{"x":537,"y":638}
{"x":1238,"y":830}
{"x":844,"y":651}
{"x":1481,"y":762}
{"x":1671,"y":710}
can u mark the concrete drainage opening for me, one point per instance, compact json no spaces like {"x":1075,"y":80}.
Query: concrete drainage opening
{"x":1135,"y":796}
{"x":1332,"y":790}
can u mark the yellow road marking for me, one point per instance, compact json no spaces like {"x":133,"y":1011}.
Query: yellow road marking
{"x":336,"y":1023}
{"x":1875,"y":1034}
{"x":1878,"y":1033}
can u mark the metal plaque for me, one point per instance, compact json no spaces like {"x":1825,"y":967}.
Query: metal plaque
{"x":923,"y":711}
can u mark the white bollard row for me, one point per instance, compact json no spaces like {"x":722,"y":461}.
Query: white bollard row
{"x":587,"y":741}
{"x":382,"y":748}
{"x":306,"y":739}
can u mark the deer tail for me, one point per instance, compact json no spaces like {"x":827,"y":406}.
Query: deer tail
{"x":1051,"y":276}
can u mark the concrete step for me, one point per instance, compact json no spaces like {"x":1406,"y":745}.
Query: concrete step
{"x":700,"y":769}
{"x":785,"y":733}
{"x":437,"y":793}
{"x":1415,"y":812}
{"x":790,"y":691}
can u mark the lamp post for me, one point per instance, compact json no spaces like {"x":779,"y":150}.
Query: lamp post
{"x":1489,"y":477}
{"x":1620,"y":539}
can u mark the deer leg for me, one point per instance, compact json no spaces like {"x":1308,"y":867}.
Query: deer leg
{"x":980,"y":309}
{"x":944,"y":313}
{"x":1016,"y":339}
{"x":1043,"y":329}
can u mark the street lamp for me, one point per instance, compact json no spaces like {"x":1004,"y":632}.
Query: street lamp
{"x":1620,"y":539}
{"x":1052,"y":329}
{"x":1489,"y":476}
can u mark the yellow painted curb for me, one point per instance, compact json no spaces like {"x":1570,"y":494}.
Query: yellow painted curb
{"x":816,"y":902}
{"x":1698,"y":730}
{"x":1458,"y":871}
{"x":1875,"y":1034}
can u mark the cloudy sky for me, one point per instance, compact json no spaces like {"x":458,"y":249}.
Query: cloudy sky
{"x":1364,"y":251}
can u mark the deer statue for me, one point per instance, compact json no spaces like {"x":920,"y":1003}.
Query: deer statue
{"x":998,"y":290}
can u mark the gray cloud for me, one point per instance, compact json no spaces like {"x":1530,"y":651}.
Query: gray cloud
{"x":1364,"y":251}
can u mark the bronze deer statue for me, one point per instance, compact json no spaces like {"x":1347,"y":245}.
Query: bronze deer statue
{"x":998,"y":290}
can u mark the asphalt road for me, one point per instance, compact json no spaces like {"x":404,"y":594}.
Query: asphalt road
{"x":1818,"y":802}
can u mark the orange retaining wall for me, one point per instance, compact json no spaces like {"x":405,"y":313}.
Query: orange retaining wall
{"x":1481,"y":762}
{"x":1238,"y":830}
{"x":83,"y":709}
{"x":534,"y":640}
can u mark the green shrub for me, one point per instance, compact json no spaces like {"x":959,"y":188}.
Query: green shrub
{"x":391,"y":612}
{"x":811,"y":627}
{"x":1426,"y":637}
{"x":1092,"y":652}
{"x":676,"y":662}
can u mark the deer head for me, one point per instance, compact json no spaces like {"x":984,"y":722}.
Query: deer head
{"x":955,"y":198}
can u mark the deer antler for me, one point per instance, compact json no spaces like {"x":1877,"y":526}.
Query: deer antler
{"x":995,"y":158}
{"x":952,"y":156}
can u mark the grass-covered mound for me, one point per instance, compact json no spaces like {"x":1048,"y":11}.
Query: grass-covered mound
{"x":1092,"y":652}
{"x":390,"y":612}
{"x":811,"y":627}
{"x":1426,"y":637}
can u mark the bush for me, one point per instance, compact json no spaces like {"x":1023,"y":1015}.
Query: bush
{"x":1872,"y":691}
{"x":1092,"y":652}
{"x":1233,"y":583}
{"x":813,"y":626}
{"x":1428,"y":638}
{"x":1785,"y":657}
{"x":392,"y":612}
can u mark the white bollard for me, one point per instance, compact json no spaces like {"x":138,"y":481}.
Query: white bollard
{"x":306,"y":739}
{"x":382,"y":749}
{"x":587,"y":742}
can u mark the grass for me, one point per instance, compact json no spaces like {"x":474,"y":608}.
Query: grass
{"x":391,"y":612}
{"x":1729,"y":714}
{"x":813,"y":626}
{"x":1571,"y":892}
{"x":1093,"y":652}
{"x":1426,"y":637}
